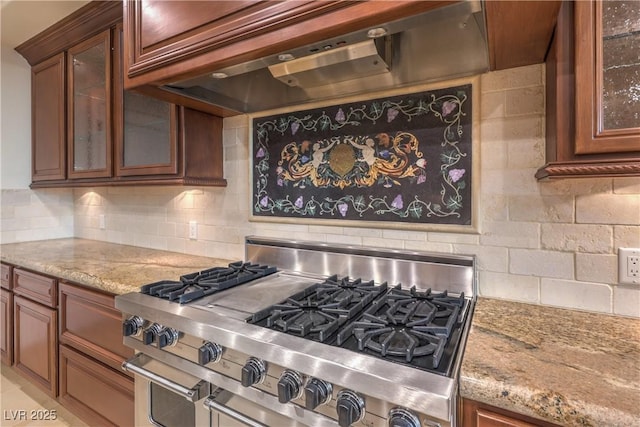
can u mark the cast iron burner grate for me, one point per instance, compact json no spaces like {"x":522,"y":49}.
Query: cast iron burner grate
{"x":320,"y":310}
{"x":196,"y":285}
{"x":416,"y":328}
{"x":407,"y":324}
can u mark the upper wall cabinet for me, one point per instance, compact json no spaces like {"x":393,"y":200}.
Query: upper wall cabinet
{"x":593,"y":108}
{"x":87,"y":130}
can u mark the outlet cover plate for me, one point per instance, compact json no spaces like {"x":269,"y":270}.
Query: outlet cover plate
{"x":193,"y":230}
{"x":629,"y":266}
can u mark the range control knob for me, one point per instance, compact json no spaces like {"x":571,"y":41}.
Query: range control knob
{"x":132,"y":326}
{"x":350,"y":408}
{"x":150,"y":334}
{"x":399,"y":417}
{"x":209,"y":352}
{"x":289,"y":386}
{"x":253,"y":372}
{"x":167,"y":336}
{"x":317,"y":392}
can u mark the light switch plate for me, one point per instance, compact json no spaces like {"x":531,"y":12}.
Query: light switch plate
{"x":629,"y":266}
{"x":103,"y":222}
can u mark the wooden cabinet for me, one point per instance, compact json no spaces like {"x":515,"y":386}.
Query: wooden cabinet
{"x":519,"y":32}
{"x":35,"y":329}
{"x":48,"y":117}
{"x":110,"y":137}
{"x":92,"y":383}
{"x":593,"y":125}
{"x":6,"y":314}
{"x":476,"y":414}
{"x":35,"y":343}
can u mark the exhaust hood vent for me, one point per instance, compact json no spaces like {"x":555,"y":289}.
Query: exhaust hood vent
{"x":335,"y":64}
{"x":445,"y":43}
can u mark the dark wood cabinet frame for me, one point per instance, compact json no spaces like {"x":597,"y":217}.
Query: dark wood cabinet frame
{"x":575,"y":146}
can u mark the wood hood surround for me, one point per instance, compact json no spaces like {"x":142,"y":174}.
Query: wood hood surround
{"x":170,"y":41}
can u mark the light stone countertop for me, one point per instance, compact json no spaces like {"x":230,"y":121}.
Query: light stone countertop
{"x":567,"y":367}
{"x":110,"y":267}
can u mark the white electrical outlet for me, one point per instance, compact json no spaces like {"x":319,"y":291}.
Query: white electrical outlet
{"x":629,"y":266}
{"x":193,"y":230}
{"x":103,"y":222}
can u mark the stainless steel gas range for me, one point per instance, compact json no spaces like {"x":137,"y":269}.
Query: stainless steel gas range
{"x":303,"y":333}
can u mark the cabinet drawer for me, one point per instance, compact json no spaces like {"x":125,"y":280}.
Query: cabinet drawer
{"x":5,"y":276}
{"x":89,"y":322}
{"x":95,"y":393}
{"x":34,"y":286}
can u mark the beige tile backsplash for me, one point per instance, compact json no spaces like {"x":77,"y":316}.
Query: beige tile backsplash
{"x":550,"y":243}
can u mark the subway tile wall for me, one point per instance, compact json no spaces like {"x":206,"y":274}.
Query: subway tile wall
{"x":35,"y":215}
{"x":552,"y":243}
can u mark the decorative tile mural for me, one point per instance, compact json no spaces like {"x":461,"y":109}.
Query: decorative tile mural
{"x":402,"y":159}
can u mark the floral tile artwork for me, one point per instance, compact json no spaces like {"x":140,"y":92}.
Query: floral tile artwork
{"x":405,"y":158}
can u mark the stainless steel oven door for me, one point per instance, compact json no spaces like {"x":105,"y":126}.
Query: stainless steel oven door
{"x":230,"y":410}
{"x":168,"y":397}
{"x":165,"y":396}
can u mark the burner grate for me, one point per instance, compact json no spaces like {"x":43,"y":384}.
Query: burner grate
{"x":207,"y":282}
{"x":320,"y":310}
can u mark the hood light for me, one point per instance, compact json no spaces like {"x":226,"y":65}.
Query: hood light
{"x":374,"y":33}
{"x":219,"y":75}
{"x":286,"y":57}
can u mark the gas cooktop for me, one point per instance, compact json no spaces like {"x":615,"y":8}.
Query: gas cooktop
{"x":317,"y":333}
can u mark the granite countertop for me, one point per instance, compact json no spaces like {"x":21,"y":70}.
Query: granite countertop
{"x":113,"y":268}
{"x":567,"y":367}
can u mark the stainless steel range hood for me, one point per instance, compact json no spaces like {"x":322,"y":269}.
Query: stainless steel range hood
{"x":441,"y":44}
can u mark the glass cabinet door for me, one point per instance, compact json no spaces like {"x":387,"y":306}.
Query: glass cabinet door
{"x":607,"y":76}
{"x":620,"y":49}
{"x":89,"y":92}
{"x":146,"y":135}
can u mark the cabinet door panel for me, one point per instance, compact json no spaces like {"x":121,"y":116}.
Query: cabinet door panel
{"x":48,"y":119}
{"x":89,"y":65}
{"x":6,"y":315}
{"x":145,"y":128}
{"x":35,"y":343}
{"x":94,"y":392}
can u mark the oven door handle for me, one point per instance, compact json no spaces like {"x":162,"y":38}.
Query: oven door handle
{"x":193,"y":394}
{"x":211,"y":404}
